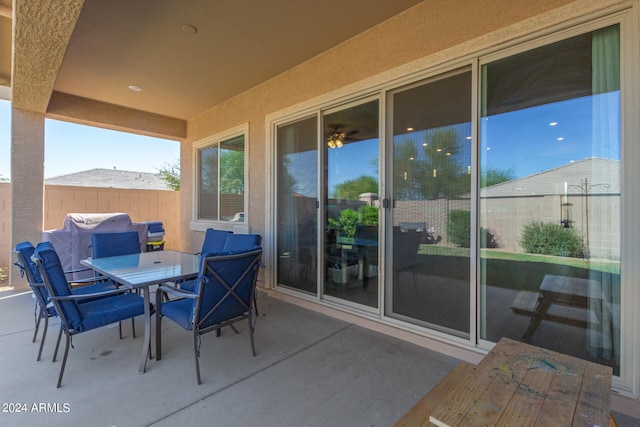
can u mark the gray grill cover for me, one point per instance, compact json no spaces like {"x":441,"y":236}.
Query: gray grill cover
{"x":73,"y":241}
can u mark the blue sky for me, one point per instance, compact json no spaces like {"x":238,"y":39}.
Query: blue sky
{"x":534,"y":139}
{"x":72,"y":148}
{"x":524,"y":141}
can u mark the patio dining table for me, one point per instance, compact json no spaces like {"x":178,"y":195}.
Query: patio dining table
{"x":140,"y":271}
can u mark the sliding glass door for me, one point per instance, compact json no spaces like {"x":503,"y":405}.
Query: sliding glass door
{"x":491,"y":209}
{"x":351,"y":186}
{"x":297,"y":195}
{"x":429,"y":231}
{"x":550,"y":197}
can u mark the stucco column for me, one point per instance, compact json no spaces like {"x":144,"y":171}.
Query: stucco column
{"x":27,"y":179}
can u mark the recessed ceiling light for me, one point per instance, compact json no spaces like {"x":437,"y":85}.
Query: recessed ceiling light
{"x":135,"y":88}
{"x":560,"y":138}
{"x":190,"y":29}
{"x":553,"y":124}
{"x":425,"y":144}
{"x":409,"y":129}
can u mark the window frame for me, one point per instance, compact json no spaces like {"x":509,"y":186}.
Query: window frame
{"x":201,"y":224}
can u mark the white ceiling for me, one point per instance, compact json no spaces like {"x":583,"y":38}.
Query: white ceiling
{"x":238,"y":45}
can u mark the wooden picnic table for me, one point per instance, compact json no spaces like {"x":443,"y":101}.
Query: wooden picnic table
{"x":518,"y":384}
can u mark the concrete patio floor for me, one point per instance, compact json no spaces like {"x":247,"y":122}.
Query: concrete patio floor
{"x":310,"y":370}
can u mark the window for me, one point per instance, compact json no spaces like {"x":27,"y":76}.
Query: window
{"x":220,"y":166}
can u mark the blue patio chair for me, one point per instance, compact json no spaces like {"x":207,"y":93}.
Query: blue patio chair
{"x":44,"y":308}
{"x":105,"y":308}
{"x":116,"y":243}
{"x":224,"y":295}
{"x":105,"y":245}
{"x":213,"y":244}
{"x":241,"y":242}
{"x":222,"y":242}
{"x":214,"y":241}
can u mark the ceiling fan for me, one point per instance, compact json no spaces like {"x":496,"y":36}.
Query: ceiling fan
{"x":337,"y":139}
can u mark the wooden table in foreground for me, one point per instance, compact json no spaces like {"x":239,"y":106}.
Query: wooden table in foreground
{"x":518,"y":384}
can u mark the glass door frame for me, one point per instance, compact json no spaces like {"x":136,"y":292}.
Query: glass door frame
{"x":630,"y":201}
{"x":323,"y":196}
{"x":425,"y":79}
{"x":629,"y":379}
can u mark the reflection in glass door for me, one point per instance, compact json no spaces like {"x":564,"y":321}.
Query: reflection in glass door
{"x":297,"y":195}
{"x":351,"y":229}
{"x":550,"y":197}
{"x":429,"y":232}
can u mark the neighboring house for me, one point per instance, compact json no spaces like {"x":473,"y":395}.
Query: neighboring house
{"x":111,"y":178}
{"x":594,"y":176}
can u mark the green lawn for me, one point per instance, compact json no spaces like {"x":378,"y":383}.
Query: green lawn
{"x":496,"y":254}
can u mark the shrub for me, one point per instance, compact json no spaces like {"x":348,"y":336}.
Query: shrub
{"x":459,"y":231}
{"x":369,"y":215}
{"x":552,"y":239}
{"x":347,"y":222}
{"x":459,"y":228}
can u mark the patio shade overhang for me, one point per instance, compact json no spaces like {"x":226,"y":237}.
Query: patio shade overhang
{"x":82,"y":61}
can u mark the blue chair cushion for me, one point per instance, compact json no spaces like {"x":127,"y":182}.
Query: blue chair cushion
{"x":189,"y":285}
{"x":114,"y":244}
{"x":58,"y":281}
{"x":213,"y":291}
{"x":26,"y":249}
{"x":235,"y":243}
{"x":180,"y":311}
{"x":109,"y":310}
{"x":214,"y":240}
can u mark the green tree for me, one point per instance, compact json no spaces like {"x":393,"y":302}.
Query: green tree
{"x":230,"y":168}
{"x":491,"y":177}
{"x":436,"y":168}
{"x":170,"y":173}
{"x":231,"y":171}
{"x":351,"y":190}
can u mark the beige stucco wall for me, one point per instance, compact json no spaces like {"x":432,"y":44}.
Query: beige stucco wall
{"x":27,"y":172}
{"x":5,"y":221}
{"x":59,"y":200}
{"x":418,"y":39}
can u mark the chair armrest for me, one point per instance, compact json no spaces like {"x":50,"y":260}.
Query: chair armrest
{"x":177,"y":292}
{"x":89,"y":281}
{"x":92,"y":295}
{"x":76,"y":271}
